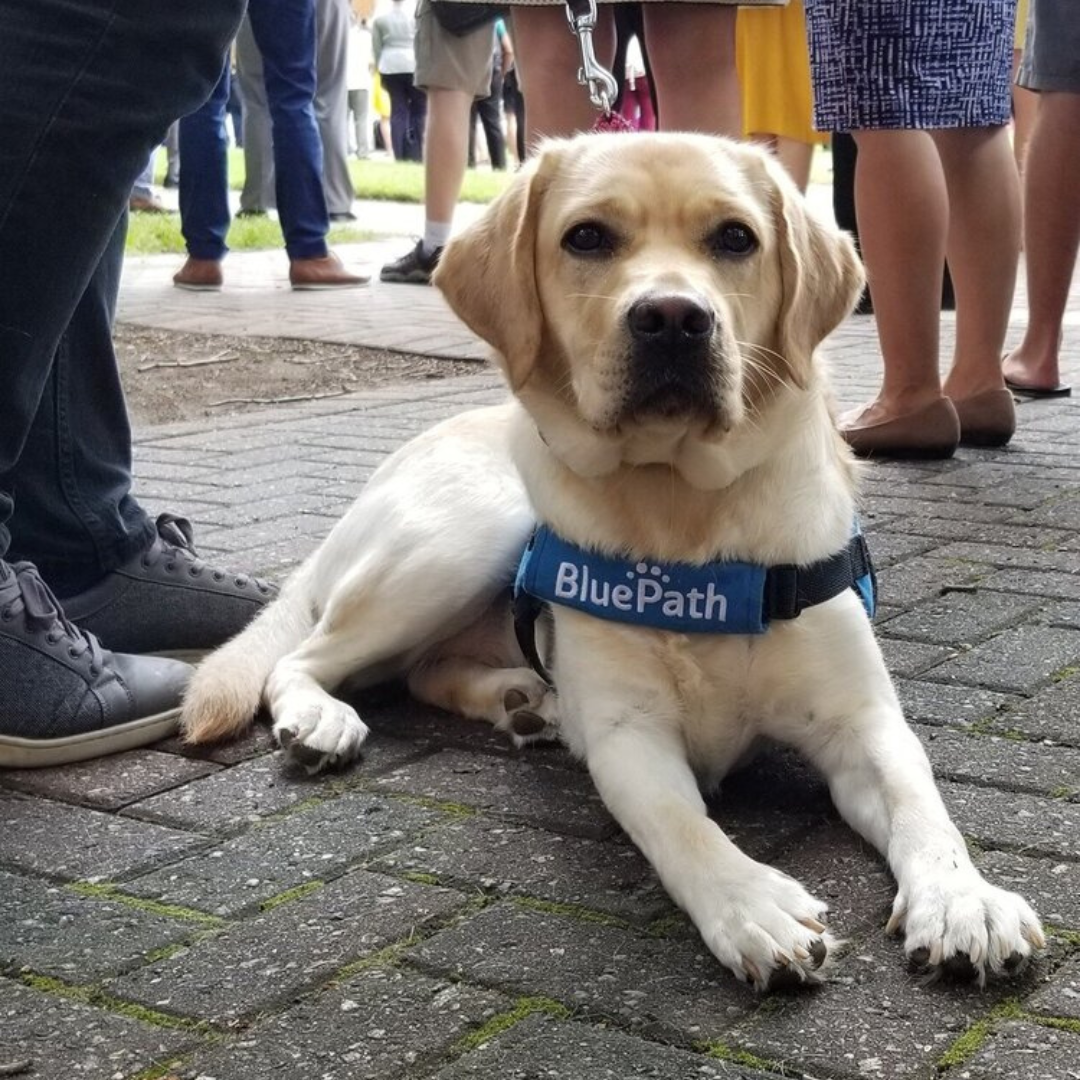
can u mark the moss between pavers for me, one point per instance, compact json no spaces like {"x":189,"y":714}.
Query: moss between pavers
{"x":722,"y":1052}
{"x":289,"y":895}
{"x":156,"y":1072}
{"x":104,"y":891}
{"x":572,"y":911}
{"x":968,"y":1044}
{"x":91,"y":995}
{"x":1070,"y":937}
{"x":523,"y":1007}
{"x":454,"y":809}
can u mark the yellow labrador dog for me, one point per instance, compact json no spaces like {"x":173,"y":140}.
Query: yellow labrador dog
{"x":655,"y":303}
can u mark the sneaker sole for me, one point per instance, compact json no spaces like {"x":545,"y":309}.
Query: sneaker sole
{"x":401,"y":279}
{"x":329,"y":287}
{"x":19,"y":753}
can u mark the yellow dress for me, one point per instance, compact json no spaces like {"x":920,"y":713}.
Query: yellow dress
{"x":774,"y":72}
{"x":1021,"y":24}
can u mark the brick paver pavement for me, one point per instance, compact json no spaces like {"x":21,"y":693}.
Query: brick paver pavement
{"x":451,"y":909}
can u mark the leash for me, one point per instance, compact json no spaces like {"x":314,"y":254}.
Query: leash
{"x":601,"y":84}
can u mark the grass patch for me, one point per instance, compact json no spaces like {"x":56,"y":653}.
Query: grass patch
{"x":289,"y":895}
{"x":388,"y":181}
{"x":722,"y":1052}
{"x":968,"y":1044}
{"x":497,"y":1024}
{"x":159,"y":234}
{"x":97,"y":891}
{"x":88,"y":995}
{"x":572,"y":911}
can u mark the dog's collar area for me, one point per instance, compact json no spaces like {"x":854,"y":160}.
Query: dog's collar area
{"x":715,"y":598}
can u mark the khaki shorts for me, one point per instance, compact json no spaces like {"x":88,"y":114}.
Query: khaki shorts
{"x":446,"y":61}
{"x":1052,"y":47}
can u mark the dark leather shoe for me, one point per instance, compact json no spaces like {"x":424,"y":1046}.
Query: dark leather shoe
{"x":930,"y":432}
{"x":326,"y":272}
{"x":199,"y":275}
{"x":166,"y":600}
{"x":64,"y":697}
{"x":986,"y":419}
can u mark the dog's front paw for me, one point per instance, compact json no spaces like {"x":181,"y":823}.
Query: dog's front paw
{"x":318,"y":731}
{"x":769,"y":931}
{"x":960,"y":926}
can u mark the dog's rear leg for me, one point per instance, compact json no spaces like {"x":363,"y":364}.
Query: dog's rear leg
{"x":515,"y":700}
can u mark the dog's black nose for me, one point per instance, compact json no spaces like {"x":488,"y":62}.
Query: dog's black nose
{"x":672,"y":319}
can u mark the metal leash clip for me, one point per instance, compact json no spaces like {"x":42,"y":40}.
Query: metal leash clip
{"x":603,"y":89}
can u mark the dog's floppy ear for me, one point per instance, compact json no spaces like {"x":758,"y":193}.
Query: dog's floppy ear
{"x":488,"y":272}
{"x":821,"y":273}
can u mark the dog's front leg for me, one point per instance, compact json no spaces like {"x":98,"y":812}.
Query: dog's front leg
{"x":757,"y":921}
{"x":954,"y":921}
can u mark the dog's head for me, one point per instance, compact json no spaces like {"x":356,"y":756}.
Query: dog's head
{"x":640,"y":289}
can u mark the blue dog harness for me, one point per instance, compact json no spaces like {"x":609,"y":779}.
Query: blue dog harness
{"x":714,"y":598}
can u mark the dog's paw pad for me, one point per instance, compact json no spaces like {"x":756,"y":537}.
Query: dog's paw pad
{"x":514,"y":698}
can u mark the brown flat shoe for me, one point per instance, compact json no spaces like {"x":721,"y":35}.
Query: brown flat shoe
{"x":930,"y":432}
{"x":986,"y":419}
{"x":326,"y":272}
{"x":199,"y":275}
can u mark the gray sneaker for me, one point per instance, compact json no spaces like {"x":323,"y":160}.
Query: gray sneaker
{"x":63,"y":697}
{"x":415,"y":268}
{"x":167,"y":601}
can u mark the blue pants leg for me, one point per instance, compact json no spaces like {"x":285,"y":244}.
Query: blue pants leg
{"x":284,"y":30}
{"x":204,"y":181}
{"x":67,"y":72}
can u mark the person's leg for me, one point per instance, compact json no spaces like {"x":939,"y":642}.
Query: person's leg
{"x":172,"y":152}
{"x":796,"y":156}
{"x":66,"y":72}
{"x":899,"y":181}
{"x":547,"y":64}
{"x":1051,"y":238}
{"x":446,"y":151}
{"x":257,"y":195}
{"x":397,"y":88}
{"x":983,"y":249}
{"x":331,"y":102}
{"x":417,"y":121}
{"x":454,"y":72}
{"x":490,"y":112}
{"x":285,"y":33}
{"x":692,"y":59}
{"x":75,"y":517}
{"x":204,"y":183}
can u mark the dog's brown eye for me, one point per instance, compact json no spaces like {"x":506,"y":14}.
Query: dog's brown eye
{"x":588,"y":239}
{"x":734,"y":238}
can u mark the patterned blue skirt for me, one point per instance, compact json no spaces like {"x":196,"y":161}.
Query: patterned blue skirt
{"x":922,"y":64}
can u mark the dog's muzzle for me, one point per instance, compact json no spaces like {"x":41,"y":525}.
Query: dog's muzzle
{"x":672,"y":356}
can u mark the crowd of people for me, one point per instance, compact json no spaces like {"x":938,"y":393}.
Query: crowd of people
{"x":91,"y":587}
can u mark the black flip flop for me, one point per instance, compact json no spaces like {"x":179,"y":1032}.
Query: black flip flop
{"x":1061,"y":390}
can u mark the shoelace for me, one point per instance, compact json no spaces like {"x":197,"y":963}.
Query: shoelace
{"x":176,"y":539}
{"x":43,"y":612}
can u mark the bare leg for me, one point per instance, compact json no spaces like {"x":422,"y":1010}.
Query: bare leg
{"x":547,"y":62}
{"x":794,"y":155}
{"x":692,"y":51}
{"x":446,"y":145}
{"x":983,"y":249}
{"x":1051,"y":237}
{"x":903,"y":213}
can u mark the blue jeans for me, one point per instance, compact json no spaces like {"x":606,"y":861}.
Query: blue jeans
{"x":70,"y":120}
{"x":284,"y":30}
